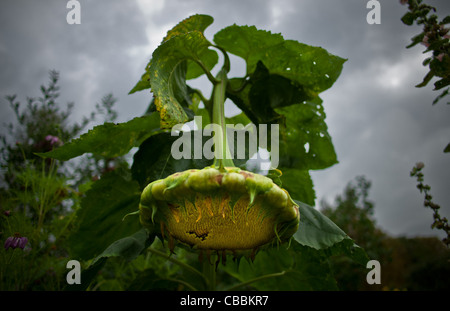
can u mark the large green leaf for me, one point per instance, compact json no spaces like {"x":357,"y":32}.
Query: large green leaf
{"x":108,"y":139}
{"x":128,"y":248}
{"x":166,"y":81}
{"x":316,"y":230}
{"x":242,"y":100}
{"x":304,"y":140}
{"x":198,"y":22}
{"x":264,"y":93}
{"x":311,"y":67}
{"x":299,"y":185}
{"x":273,"y":90}
{"x":100,"y":218}
{"x":243,"y":41}
{"x":143,"y":83}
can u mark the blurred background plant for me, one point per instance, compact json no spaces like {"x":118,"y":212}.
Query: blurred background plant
{"x":436,"y":38}
{"x":38,"y":196}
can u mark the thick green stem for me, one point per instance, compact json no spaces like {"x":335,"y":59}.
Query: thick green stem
{"x":209,"y":271}
{"x":222,"y":152}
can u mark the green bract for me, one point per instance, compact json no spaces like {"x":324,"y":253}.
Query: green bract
{"x":230,"y":210}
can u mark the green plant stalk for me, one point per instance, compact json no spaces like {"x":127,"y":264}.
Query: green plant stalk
{"x":179,"y":263}
{"x":263,"y":277}
{"x":222,"y":152}
{"x":209,"y":271}
{"x":46,"y":197}
{"x":42,"y":188}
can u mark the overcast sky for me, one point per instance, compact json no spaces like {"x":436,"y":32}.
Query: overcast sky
{"x":380,"y":123}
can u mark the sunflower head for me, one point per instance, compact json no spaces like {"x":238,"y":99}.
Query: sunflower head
{"x":228,"y":210}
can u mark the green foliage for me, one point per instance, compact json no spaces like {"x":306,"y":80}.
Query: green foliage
{"x":304,"y":141}
{"x":299,"y":185}
{"x":35,"y":212}
{"x":282,"y":85}
{"x":312,"y":69}
{"x":297,"y":268}
{"x":100,"y":220}
{"x":38,"y":196}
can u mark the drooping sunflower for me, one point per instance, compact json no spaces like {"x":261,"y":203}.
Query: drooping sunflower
{"x":226,"y":210}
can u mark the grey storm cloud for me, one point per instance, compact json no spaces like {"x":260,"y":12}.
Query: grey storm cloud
{"x":380,"y":123}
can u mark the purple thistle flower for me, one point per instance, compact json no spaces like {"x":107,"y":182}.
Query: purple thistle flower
{"x":8,"y":242}
{"x":23,"y":242}
{"x":16,"y":242}
{"x":53,"y":140}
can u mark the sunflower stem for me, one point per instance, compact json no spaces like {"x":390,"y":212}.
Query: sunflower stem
{"x":222,"y":156}
{"x":209,"y":271}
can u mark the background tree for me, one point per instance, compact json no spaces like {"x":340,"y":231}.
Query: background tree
{"x":353,"y":213}
{"x":419,"y":263}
